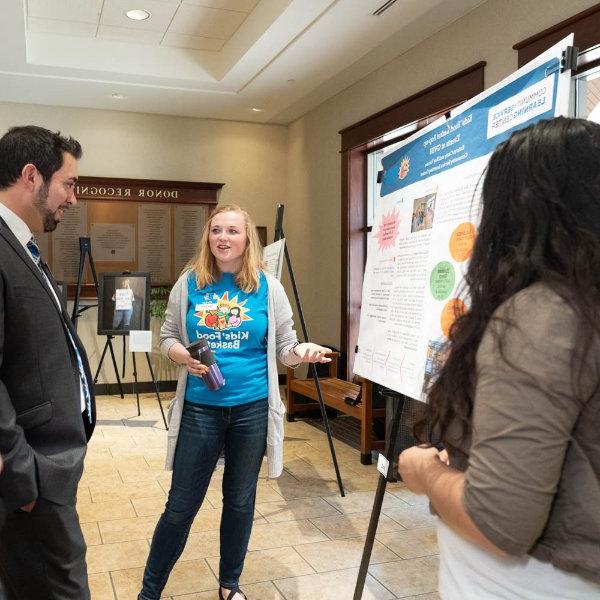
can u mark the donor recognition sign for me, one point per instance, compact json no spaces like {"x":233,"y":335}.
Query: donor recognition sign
{"x":137,"y":225}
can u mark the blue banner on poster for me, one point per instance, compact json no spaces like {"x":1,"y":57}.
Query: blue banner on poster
{"x":475,"y":132}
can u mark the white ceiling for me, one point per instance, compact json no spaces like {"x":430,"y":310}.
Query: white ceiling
{"x":205,"y":58}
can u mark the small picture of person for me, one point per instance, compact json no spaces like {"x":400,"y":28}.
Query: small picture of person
{"x":234,"y":317}
{"x":423,"y":212}
{"x":124,"y":305}
{"x":123,"y":299}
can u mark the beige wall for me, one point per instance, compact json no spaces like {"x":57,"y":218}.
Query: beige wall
{"x":298,"y":165}
{"x":314,"y":175}
{"x":248,"y":158}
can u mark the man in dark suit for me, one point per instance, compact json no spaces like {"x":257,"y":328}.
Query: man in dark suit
{"x":2,"y":512}
{"x":47,"y":411}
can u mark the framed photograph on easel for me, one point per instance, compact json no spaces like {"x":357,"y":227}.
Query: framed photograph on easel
{"x":123,"y":303}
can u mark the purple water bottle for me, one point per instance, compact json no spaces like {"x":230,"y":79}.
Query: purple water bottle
{"x":200,"y":350}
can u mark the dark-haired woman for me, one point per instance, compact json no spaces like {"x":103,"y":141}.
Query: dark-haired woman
{"x":517,"y":404}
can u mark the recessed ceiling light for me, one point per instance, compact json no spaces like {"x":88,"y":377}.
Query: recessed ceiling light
{"x":256,"y":109}
{"x":117,"y":96}
{"x":138,"y":14}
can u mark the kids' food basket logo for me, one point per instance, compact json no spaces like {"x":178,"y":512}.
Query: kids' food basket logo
{"x":222,"y":312}
{"x":404,"y":167}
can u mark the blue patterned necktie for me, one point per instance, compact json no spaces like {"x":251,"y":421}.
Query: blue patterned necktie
{"x":34,"y":251}
{"x":35,"y":254}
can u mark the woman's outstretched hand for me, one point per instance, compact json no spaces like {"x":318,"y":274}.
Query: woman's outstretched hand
{"x":311,"y":353}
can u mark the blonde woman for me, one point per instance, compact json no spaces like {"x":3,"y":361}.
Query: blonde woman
{"x":245,"y":416}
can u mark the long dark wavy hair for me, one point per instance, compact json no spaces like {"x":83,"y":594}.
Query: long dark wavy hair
{"x":540,"y":222}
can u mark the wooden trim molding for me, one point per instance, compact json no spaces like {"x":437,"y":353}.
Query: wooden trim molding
{"x":438,"y":97}
{"x":146,"y":190}
{"x":356,"y":142}
{"x":585,"y":25}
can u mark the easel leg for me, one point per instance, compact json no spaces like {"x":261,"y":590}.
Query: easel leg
{"x":327,"y":429}
{"x":135,"y":384}
{"x":390,"y":451}
{"x":114,"y":362}
{"x":162,"y":412}
{"x":370,"y":540}
{"x":83,"y":250}
{"x":100,"y":363}
{"x":123,"y":357}
{"x":366,"y":424}
{"x":108,"y":346}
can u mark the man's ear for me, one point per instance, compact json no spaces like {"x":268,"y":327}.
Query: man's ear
{"x":30,"y":176}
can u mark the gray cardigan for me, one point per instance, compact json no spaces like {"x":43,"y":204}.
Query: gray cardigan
{"x":532,"y":482}
{"x":281,"y":337}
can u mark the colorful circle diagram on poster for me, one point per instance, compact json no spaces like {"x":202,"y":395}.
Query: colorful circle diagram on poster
{"x":462,"y":241}
{"x":451,"y":310}
{"x":441,"y":280}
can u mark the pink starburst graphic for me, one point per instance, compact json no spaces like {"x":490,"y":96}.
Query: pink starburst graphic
{"x":388,"y":229}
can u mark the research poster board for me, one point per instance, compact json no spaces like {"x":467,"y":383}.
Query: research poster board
{"x":273,"y":256}
{"x":426,"y":221}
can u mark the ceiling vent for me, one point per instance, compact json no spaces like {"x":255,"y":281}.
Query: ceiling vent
{"x":384,"y":7}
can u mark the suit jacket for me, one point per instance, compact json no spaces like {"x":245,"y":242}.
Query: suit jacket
{"x":43,"y":437}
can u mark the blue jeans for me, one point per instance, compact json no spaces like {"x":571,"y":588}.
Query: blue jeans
{"x":122,"y":318}
{"x":204,"y":431}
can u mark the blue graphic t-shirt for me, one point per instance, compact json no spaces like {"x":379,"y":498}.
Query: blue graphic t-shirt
{"x":235,"y":324}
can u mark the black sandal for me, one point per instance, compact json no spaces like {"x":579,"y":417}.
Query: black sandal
{"x":231,"y":594}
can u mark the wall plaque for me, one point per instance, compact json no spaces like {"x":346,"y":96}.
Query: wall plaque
{"x":133,"y":225}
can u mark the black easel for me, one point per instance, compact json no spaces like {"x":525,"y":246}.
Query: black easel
{"x":85,"y":249}
{"x":391,"y":450}
{"x":135,"y":379}
{"x":279,"y":235}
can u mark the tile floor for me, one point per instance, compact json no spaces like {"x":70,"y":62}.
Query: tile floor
{"x":307,"y":540}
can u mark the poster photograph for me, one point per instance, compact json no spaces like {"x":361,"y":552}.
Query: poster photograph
{"x":123,"y":303}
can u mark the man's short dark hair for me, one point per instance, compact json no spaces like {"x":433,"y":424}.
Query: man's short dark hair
{"x":20,"y":146}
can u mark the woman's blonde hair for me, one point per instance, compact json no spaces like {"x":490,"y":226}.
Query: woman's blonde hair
{"x":205,"y":266}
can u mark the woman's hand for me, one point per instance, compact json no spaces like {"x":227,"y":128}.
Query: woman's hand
{"x":195,"y":367}
{"x":311,"y":353}
{"x":178,"y":353}
{"x":415,"y":465}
